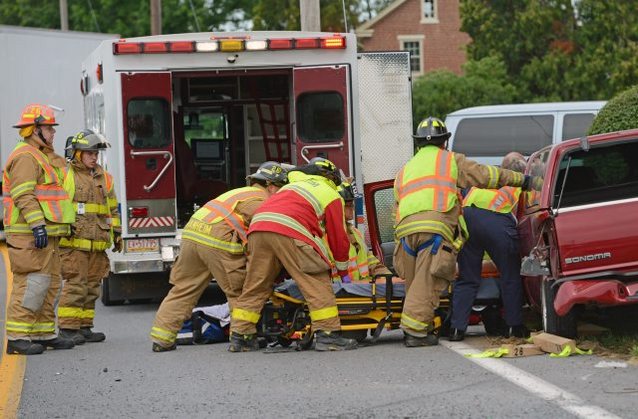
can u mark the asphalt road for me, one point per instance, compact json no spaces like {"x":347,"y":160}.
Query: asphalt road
{"x":122,"y":377}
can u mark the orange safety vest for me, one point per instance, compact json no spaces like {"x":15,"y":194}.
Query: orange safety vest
{"x":55,"y":204}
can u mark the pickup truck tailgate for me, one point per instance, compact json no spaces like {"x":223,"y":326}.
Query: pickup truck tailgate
{"x":598,"y":237}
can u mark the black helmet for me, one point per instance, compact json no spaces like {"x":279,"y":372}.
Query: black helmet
{"x":87,"y":140}
{"x":325,"y":168}
{"x":431,"y":131}
{"x":347,"y":191}
{"x":271,"y":172}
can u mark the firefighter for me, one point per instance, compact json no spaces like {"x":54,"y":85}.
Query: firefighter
{"x":362,"y":264}
{"x":430,"y":229}
{"x":213,"y":245}
{"x":97,"y":227}
{"x":37,"y":212}
{"x":297,"y":229}
{"x":489,"y":214}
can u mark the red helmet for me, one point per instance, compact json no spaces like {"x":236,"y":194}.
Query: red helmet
{"x":36,"y":114}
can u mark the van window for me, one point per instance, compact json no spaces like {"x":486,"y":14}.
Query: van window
{"x":576,"y":125}
{"x":606,"y":173}
{"x":148,"y":123}
{"x":320,"y":117}
{"x":497,"y":136}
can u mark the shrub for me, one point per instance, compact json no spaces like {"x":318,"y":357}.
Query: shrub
{"x":620,"y":113}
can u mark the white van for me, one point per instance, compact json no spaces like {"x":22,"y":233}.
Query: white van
{"x":487,"y":133}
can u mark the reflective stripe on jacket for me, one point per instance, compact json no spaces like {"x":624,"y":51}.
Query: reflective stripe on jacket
{"x":308,"y":209}
{"x":223,"y":208}
{"x":54,"y":203}
{"x":498,"y":200}
{"x":95,"y":221}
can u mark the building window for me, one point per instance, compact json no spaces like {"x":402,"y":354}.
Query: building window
{"x":413,"y":46}
{"x":429,"y":12}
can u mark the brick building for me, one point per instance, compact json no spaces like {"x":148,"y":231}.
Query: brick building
{"x":429,"y":29}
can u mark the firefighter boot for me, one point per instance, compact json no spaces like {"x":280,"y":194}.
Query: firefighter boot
{"x":91,"y":336}
{"x":243,"y":343}
{"x":24,"y":347}
{"x":417,"y":341}
{"x":56,"y":343}
{"x":333,"y":341}
{"x":159,"y":348}
{"x":72,"y":334}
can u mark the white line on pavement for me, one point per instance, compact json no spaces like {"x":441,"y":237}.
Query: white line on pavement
{"x":537,"y":386}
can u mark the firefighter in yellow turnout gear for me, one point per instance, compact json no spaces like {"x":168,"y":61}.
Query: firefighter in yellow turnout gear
{"x":37,"y":212}
{"x":213,"y":245}
{"x":97,"y":227}
{"x":363,"y":264}
{"x":430,"y":229}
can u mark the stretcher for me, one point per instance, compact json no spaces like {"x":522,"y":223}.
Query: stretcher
{"x":365,"y":308}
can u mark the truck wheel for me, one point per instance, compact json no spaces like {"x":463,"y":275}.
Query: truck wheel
{"x":106,"y":299}
{"x":553,"y":323}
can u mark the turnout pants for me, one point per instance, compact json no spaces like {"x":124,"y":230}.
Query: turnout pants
{"x":423,"y":288}
{"x":268,"y":253}
{"x":495,"y":234}
{"x":36,"y":283}
{"x":190,"y":276}
{"x":82,"y":273}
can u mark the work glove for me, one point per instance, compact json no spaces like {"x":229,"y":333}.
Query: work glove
{"x":527,"y":183}
{"x":346,"y":279}
{"x":117,"y":242}
{"x":41,"y":237}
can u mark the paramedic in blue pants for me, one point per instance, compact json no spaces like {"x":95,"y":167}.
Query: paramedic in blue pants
{"x":492,"y":228}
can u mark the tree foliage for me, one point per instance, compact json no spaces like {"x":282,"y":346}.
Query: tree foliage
{"x":557,"y":49}
{"x":440,"y":92}
{"x":620,"y":113}
{"x":130,"y":18}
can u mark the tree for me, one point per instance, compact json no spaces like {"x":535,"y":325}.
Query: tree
{"x":620,"y":113}
{"x":441,"y":92}
{"x":557,"y":49}
{"x":130,"y":18}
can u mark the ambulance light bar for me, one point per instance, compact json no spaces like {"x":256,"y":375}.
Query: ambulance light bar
{"x":122,"y":47}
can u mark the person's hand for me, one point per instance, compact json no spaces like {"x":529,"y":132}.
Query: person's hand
{"x":41,"y":237}
{"x":117,"y":242}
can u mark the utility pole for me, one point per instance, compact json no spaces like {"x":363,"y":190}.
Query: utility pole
{"x":156,"y":17}
{"x":64,"y":15}
{"x":310,"y":15}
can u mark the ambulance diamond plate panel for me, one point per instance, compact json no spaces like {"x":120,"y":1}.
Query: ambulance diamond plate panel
{"x":385,"y":98}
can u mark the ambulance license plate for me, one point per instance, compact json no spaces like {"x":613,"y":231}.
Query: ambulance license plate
{"x":142,"y":245}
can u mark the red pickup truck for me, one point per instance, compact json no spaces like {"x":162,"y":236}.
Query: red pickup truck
{"x":579,"y":228}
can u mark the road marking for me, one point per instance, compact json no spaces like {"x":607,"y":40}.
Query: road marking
{"x":535,"y":385}
{"x":11,"y":367}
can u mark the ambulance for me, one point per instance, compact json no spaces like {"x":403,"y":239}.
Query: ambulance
{"x":189,"y":116}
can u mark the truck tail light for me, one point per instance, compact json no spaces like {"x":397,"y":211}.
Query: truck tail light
{"x":211,"y":46}
{"x":231,"y":45}
{"x":124,"y":47}
{"x":155,"y":47}
{"x":280,"y":44}
{"x":256,"y":45}
{"x":182,"y":46}
{"x":138,"y":212}
{"x":307,"y":43}
{"x":333,"y":42}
